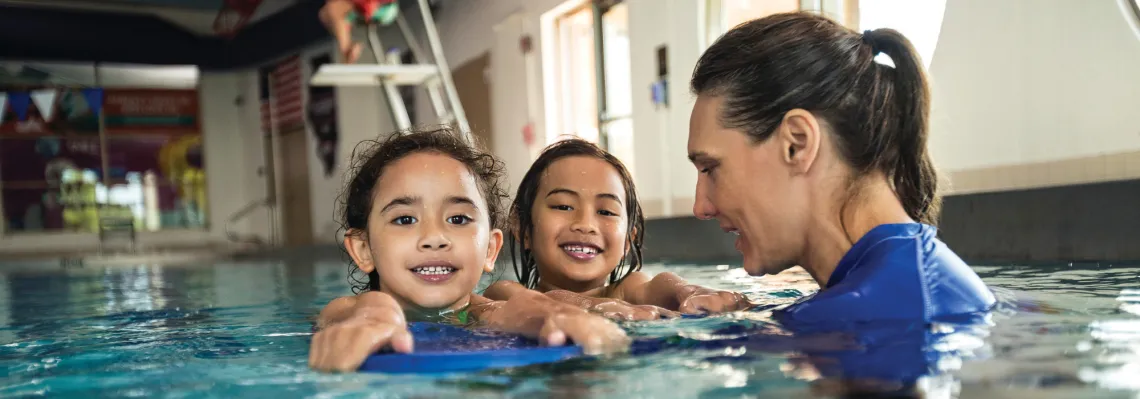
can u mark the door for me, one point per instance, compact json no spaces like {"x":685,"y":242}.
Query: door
{"x":475,"y":95}
{"x":295,"y":202}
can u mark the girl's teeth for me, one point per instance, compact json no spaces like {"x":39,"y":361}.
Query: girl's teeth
{"x":434,"y":270}
{"x":581,"y":249}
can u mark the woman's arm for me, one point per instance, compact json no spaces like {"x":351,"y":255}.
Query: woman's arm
{"x":609,"y":307}
{"x":537,"y":316}
{"x":670,"y":291}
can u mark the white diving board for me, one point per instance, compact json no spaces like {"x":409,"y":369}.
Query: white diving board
{"x":373,"y":74}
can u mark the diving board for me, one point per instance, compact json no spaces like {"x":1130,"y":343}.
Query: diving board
{"x":373,"y":74}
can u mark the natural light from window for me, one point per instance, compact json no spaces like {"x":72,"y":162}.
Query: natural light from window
{"x":919,"y":20}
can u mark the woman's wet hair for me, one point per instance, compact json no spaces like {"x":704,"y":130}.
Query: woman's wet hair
{"x":521,"y":220}
{"x":878,"y":115}
{"x":371,"y":157}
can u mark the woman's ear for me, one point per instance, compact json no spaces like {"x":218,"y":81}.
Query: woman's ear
{"x":799,"y":136}
{"x":356,"y":243}
{"x":494,"y":244}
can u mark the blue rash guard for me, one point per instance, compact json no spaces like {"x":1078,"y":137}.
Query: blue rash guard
{"x":896,"y":272}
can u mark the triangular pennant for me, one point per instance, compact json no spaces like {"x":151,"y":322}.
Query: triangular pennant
{"x":20,"y":102}
{"x":3,"y":106}
{"x":45,"y":101}
{"x":94,"y":98}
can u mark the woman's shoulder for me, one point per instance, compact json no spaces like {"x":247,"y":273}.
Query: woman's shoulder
{"x":898,"y":272}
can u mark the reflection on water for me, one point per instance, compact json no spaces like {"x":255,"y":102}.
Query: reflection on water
{"x":242,"y":329}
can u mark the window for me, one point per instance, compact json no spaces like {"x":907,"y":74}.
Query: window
{"x":919,"y":20}
{"x":592,"y":72}
{"x":723,"y":15}
{"x":577,"y":78}
{"x":78,"y":154}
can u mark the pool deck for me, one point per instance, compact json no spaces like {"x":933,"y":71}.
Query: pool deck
{"x":189,"y":253}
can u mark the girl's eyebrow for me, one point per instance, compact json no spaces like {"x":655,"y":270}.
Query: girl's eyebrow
{"x":402,"y":200}
{"x":413,"y":200}
{"x":560,"y":190}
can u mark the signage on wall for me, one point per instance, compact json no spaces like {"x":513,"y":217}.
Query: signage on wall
{"x":151,"y":111}
{"x":659,"y":91}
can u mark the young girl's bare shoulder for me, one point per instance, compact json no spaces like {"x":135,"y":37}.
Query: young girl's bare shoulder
{"x":633,"y":281}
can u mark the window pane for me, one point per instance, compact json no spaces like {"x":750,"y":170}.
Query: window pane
{"x":736,"y":12}
{"x":579,"y":111}
{"x":615,"y":38}
{"x":619,"y":136}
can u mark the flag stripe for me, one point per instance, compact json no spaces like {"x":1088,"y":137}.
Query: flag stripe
{"x":284,"y":104}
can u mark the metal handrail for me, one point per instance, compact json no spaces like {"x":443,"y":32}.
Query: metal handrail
{"x":241,"y":214}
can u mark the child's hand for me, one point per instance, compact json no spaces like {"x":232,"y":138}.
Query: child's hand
{"x":596,"y":335}
{"x":625,"y":311}
{"x":376,"y":322}
{"x":700,"y":300}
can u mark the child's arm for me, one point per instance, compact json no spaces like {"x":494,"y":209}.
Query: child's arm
{"x":534,"y":315}
{"x":351,"y":328}
{"x":609,"y":307}
{"x":670,"y":291}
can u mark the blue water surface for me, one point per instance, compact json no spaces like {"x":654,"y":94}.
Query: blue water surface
{"x":242,"y":329}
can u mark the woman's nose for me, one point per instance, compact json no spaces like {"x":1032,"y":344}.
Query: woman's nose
{"x":703,"y":208}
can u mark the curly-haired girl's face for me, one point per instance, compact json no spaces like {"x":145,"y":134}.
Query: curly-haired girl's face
{"x":429,"y":234}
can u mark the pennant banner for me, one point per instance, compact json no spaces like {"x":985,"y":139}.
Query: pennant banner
{"x":3,"y":106}
{"x":20,"y":102}
{"x":45,"y":102}
{"x":94,"y":98}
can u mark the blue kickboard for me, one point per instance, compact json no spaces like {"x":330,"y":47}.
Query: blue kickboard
{"x":442,"y":348}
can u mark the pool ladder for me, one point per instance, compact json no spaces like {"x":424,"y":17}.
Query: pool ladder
{"x":117,"y":227}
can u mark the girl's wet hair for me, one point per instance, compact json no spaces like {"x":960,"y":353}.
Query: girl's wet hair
{"x":878,"y":115}
{"x":522,"y":223}
{"x":371,"y":157}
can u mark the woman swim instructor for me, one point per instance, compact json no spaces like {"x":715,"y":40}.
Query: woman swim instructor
{"x":815,"y":155}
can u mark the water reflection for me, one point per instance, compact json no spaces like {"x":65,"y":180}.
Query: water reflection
{"x":242,"y":329}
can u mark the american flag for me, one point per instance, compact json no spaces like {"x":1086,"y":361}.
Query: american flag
{"x":286,"y":97}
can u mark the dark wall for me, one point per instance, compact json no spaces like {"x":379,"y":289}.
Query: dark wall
{"x":1079,"y":223}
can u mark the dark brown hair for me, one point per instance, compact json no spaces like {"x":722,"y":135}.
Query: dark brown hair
{"x":878,"y":115}
{"x":522,"y":224}
{"x":371,"y":157}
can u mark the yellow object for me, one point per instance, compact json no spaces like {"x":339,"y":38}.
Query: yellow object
{"x":190,"y":182}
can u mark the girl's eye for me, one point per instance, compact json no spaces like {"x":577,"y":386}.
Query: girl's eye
{"x":459,"y":219}
{"x":561,"y":207}
{"x":604,"y":212}
{"x":404,"y":220}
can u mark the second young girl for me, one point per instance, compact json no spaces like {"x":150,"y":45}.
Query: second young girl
{"x":578,"y":232}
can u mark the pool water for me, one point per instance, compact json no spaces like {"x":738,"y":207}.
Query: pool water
{"x":242,"y":329}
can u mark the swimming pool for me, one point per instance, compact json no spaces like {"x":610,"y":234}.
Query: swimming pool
{"x":241,"y":329}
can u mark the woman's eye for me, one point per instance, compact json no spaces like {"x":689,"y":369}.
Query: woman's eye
{"x":459,"y":219}
{"x":561,"y":207}
{"x":404,"y":220}
{"x":604,"y":212}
